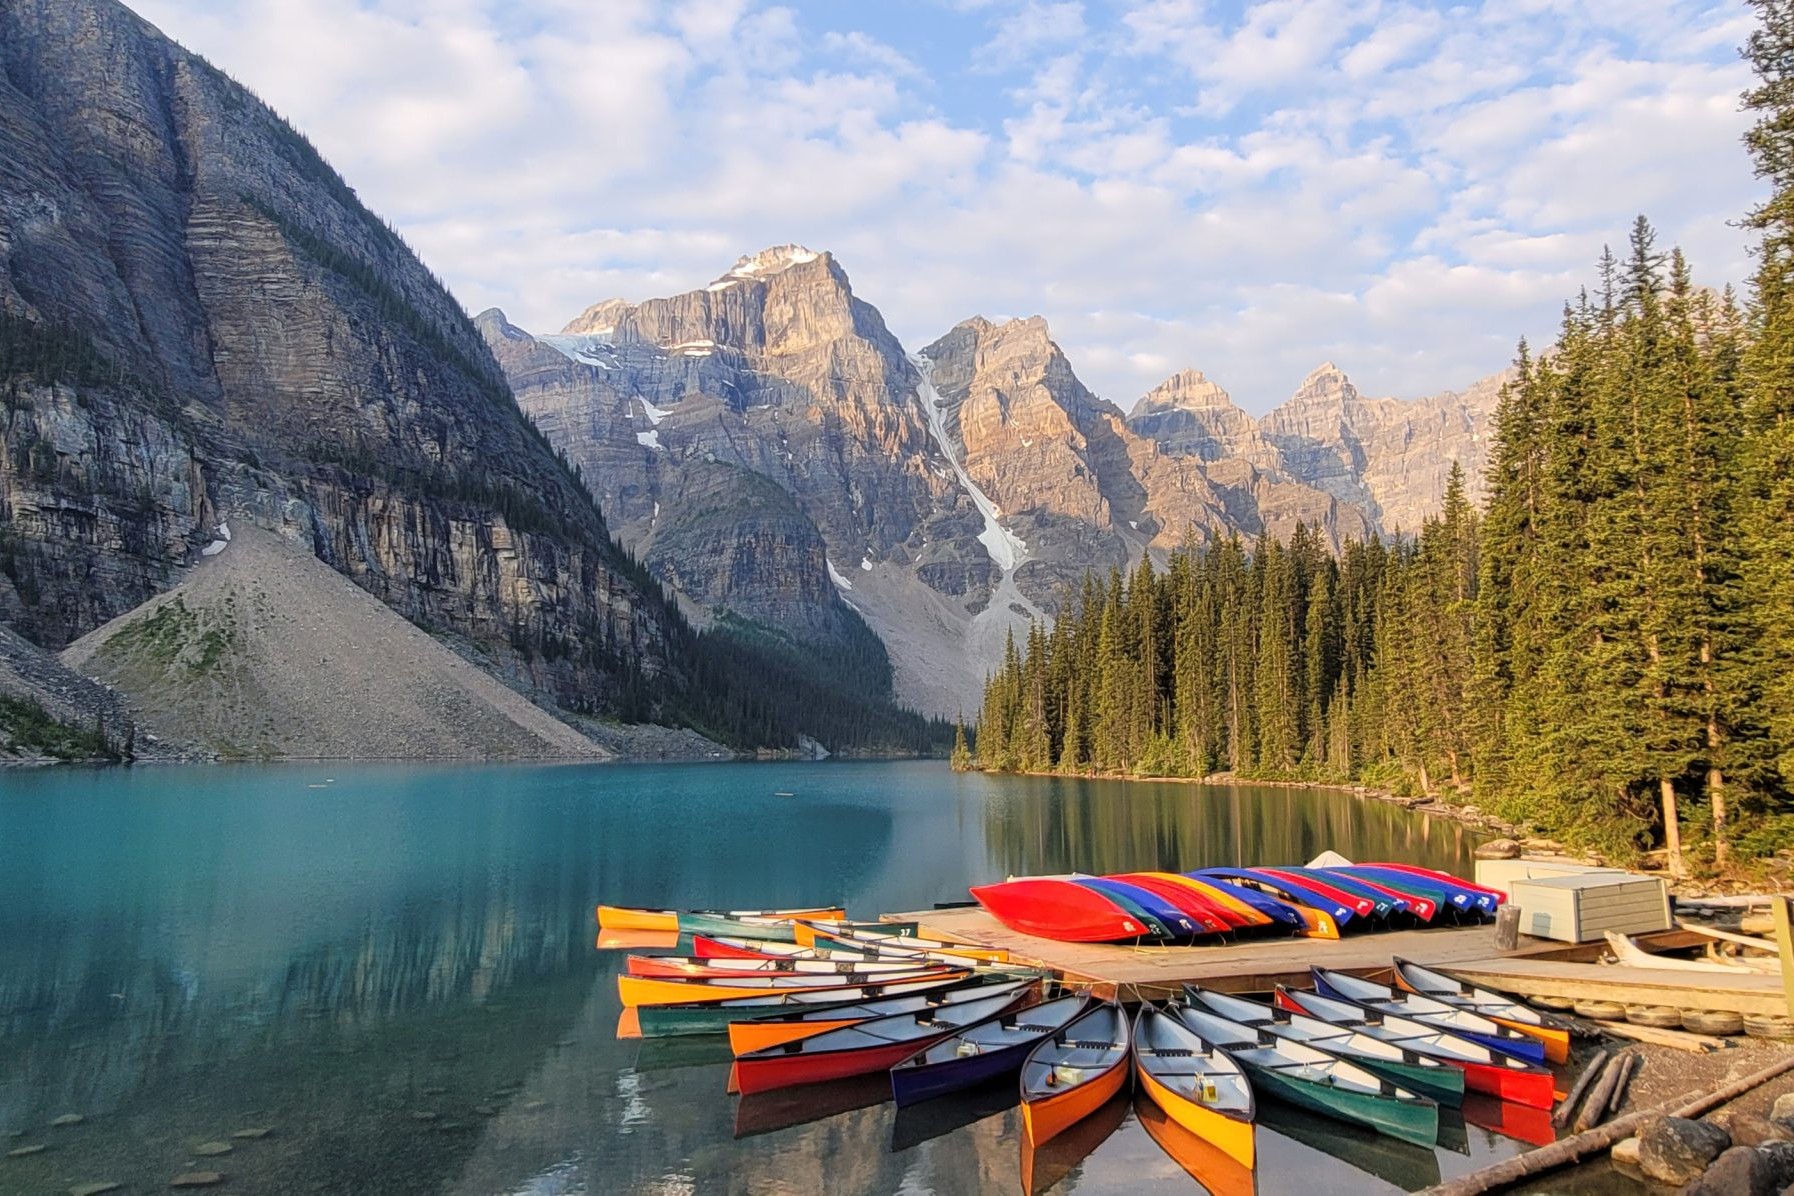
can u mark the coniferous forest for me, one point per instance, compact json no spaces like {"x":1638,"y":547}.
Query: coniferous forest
{"x":1605,"y":650}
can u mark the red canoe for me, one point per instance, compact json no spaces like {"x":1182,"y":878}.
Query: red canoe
{"x":1364,"y":906}
{"x":1485,"y":1070}
{"x":1435,"y":874}
{"x":1059,"y":909}
{"x":867,"y":1047}
{"x":1208,"y":915}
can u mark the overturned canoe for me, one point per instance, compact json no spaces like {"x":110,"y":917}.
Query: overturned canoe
{"x":1289,"y":891}
{"x":1303,"y":919}
{"x":986,"y":1050}
{"x":1075,"y":1072}
{"x":1197,"y":1083}
{"x":870,"y":1046}
{"x":1224,"y":901}
{"x":1202,"y":912}
{"x":1059,"y":909}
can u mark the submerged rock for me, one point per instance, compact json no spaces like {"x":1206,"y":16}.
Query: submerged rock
{"x":22,"y":1151}
{"x":196,"y":1179}
{"x":211,"y":1149}
{"x":68,"y":1119}
{"x":94,"y":1189}
{"x":258,"y":1131}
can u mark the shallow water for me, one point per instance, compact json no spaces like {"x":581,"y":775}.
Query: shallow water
{"x":392,"y":969}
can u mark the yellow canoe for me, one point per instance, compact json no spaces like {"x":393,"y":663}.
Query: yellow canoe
{"x":1214,"y":894}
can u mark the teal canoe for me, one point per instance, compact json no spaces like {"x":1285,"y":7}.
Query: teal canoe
{"x":1418,"y":1073}
{"x":1318,"y":1080}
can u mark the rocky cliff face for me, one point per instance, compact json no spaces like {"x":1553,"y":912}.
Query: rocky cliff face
{"x":200,"y":321}
{"x":764,"y":437}
{"x":1388,"y":458}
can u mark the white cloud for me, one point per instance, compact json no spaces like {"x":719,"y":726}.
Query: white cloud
{"x":1403,"y":188}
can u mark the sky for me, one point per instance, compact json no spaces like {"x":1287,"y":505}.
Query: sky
{"x":1245,"y":188}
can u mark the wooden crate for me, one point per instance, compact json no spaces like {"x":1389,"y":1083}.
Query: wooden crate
{"x":1579,"y":908}
{"x":1499,"y":874}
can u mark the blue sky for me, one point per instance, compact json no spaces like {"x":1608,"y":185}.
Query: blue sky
{"x":1243,"y":188}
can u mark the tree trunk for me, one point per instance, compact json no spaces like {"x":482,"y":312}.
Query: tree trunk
{"x":1672,"y":827}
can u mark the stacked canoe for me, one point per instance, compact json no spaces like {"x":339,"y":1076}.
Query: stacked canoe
{"x":1319,"y":902}
{"x":806,"y":997}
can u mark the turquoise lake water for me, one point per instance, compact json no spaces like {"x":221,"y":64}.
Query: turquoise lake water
{"x":392,"y":969}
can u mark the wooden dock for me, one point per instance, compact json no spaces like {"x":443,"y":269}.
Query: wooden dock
{"x":1539,"y":967}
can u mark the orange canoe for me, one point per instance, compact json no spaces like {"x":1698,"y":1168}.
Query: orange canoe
{"x":1075,"y":1072}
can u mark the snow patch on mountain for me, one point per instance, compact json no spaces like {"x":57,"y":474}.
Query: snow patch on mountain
{"x":834,"y":575}
{"x":1006,"y":549}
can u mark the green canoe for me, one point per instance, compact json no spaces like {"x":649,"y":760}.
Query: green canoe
{"x":1318,"y":1080}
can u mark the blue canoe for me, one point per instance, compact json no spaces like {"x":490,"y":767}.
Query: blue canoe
{"x":1172,"y":923}
{"x":1386,"y":905}
{"x":1462,"y":1022}
{"x":986,"y":1050}
{"x":1271,"y":907}
{"x":1294,"y":890}
{"x":1456,"y":896}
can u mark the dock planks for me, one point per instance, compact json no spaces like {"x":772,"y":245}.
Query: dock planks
{"x":1251,"y":965}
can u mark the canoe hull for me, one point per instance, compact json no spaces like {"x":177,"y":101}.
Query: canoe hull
{"x":614,"y":917}
{"x":1533,"y":1087}
{"x":1233,"y":1136}
{"x":1443,"y":1084}
{"x":1556,"y":1042}
{"x":766,"y":1074}
{"x":913,"y":1085}
{"x":1519,"y":1046}
{"x":1051,"y":1116}
{"x":1060,"y":910}
{"x":776,"y":932}
{"x":1410,"y":1121}
{"x":758,"y":1035}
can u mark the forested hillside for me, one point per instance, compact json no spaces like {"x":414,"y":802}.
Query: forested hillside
{"x":1605,"y":650}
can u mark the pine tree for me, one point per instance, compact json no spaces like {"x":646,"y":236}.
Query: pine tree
{"x":961,"y":760}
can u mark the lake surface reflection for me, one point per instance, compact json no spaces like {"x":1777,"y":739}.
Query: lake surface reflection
{"x":392,"y":971}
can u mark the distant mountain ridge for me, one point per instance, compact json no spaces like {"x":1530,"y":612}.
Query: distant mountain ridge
{"x":950,"y":496}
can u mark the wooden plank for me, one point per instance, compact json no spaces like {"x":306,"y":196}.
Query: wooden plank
{"x":1743,"y":940}
{"x":1745,"y":992}
{"x":1784,"y":941}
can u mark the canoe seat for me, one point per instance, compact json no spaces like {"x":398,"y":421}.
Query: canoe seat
{"x":1172,"y":1052}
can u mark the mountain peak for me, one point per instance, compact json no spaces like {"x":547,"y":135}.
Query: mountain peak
{"x":600,"y":319}
{"x":1191,"y":390}
{"x":1323,"y":370}
{"x":773,"y":260}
